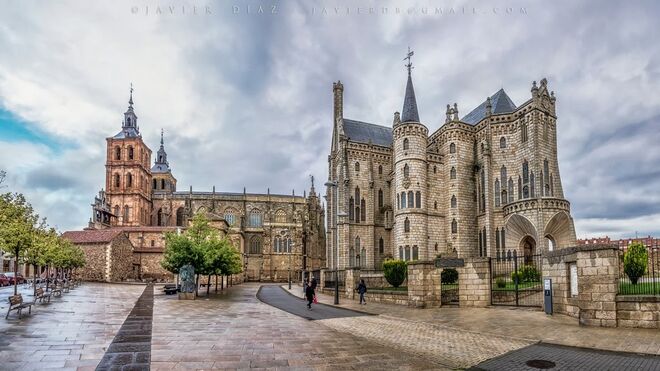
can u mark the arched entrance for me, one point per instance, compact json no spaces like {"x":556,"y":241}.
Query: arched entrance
{"x":528,"y":247}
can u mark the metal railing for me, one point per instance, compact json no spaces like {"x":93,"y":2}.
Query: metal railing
{"x":329,"y":279}
{"x":637,"y":281}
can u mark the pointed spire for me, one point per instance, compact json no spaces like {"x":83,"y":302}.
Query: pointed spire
{"x":161,"y":136}
{"x":130,"y":100}
{"x":409,"y":112}
{"x":160,"y":164}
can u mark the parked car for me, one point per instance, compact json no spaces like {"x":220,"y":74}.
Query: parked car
{"x":4,"y":281}
{"x":11,"y":275}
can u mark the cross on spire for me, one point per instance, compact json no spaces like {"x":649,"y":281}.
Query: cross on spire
{"x":161,"y":136}
{"x":409,"y":65}
{"x":130,"y":100}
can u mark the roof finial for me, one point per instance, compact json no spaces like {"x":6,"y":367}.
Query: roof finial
{"x":161,"y":136}
{"x":130,"y":100}
{"x":409,"y":65}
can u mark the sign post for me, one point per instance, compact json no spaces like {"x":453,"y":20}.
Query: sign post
{"x":547,"y":295}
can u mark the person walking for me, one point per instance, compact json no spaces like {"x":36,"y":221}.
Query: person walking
{"x":362,"y":289}
{"x":309,"y":294}
{"x":314,"y":284}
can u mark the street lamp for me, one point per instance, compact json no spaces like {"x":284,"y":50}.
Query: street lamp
{"x":333,"y":185}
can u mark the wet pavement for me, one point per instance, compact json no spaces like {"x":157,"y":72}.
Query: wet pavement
{"x":277,"y":297}
{"x":72,"y":332}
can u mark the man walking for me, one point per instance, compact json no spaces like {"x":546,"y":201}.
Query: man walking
{"x":309,"y":294}
{"x":362,"y":289}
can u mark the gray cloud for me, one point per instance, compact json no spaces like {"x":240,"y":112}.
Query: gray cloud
{"x":246,"y":99}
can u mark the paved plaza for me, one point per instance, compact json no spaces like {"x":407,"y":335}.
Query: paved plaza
{"x":122,"y":326}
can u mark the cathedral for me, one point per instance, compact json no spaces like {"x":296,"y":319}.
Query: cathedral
{"x":486,"y":184}
{"x":276,"y":234}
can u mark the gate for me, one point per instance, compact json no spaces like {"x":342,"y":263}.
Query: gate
{"x":516,"y":280}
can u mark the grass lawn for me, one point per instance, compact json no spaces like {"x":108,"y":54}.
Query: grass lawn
{"x":521,"y":286}
{"x":641,"y":288}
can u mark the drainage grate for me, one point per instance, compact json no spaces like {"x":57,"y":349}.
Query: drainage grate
{"x":541,"y":364}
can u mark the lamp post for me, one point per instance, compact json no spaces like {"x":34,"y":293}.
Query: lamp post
{"x":333,"y":184}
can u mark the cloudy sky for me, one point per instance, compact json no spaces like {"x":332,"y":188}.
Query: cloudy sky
{"x":245,"y":97}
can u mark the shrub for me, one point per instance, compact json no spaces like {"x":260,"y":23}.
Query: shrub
{"x":635,"y":261}
{"x":526,"y":273}
{"x":449,"y":275}
{"x":395,"y":271}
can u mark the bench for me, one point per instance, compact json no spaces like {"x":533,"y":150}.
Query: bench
{"x":66,"y":286}
{"x":16,"y":303}
{"x":41,"y":295}
{"x":170,"y":289}
{"x":56,"y":290}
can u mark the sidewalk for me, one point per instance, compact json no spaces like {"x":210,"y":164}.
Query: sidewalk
{"x":512,"y":323}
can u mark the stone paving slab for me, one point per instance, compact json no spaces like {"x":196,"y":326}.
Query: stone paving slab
{"x":234,"y":330}
{"x":72,"y":332}
{"x":520,"y":323}
{"x":570,"y":358}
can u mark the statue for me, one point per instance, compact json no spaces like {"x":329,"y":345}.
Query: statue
{"x":187,"y":276}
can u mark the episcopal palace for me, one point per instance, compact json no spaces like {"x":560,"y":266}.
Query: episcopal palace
{"x":485,"y":184}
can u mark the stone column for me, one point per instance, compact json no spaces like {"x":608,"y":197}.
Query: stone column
{"x":598,"y":279}
{"x":423,"y":284}
{"x":474,"y":283}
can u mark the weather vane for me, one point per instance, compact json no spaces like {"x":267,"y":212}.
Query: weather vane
{"x":410,"y":54}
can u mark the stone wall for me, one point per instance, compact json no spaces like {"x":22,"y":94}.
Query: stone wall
{"x":423,"y":284}
{"x":95,"y":262}
{"x":474,"y":283}
{"x":121,"y":260}
{"x":638,"y":311}
{"x":150,"y":268}
{"x":386,"y":296}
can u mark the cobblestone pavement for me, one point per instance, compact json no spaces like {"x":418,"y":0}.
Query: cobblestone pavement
{"x":568,"y":358}
{"x":515,"y":323}
{"x":72,"y":332}
{"x":235,"y":330}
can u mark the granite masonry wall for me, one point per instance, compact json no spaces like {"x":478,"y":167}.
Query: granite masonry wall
{"x":423,"y":284}
{"x":473,"y":283}
{"x":638,"y":311}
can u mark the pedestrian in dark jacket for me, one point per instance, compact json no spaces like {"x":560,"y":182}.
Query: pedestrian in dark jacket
{"x":309,"y":294}
{"x":314,"y":284}
{"x":362,"y":289}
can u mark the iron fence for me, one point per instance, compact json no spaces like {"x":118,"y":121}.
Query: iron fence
{"x":637,"y":278}
{"x":329,"y":280}
{"x":516,"y":280}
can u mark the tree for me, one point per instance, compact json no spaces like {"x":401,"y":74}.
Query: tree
{"x":395,"y":271}
{"x":35,"y":254}
{"x":635,"y":261}
{"x":17,"y":227}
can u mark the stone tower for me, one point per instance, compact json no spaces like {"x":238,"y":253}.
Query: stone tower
{"x":128,"y":176}
{"x":410,"y":164}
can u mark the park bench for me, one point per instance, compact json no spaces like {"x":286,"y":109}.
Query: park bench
{"x":41,"y":295}
{"x":16,"y":303}
{"x":56,"y":290}
{"x":170,"y":289}
{"x":66,"y":286}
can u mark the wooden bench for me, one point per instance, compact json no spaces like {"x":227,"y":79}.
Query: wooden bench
{"x":66,"y":286}
{"x":56,"y":290}
{"x":41,"y":295}
{"x":16,"y":303}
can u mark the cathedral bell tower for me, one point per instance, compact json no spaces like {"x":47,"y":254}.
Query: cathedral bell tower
{"x":410,"y":139}
{"x":128,"y":176}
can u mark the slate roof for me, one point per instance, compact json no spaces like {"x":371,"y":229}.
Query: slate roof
{"x":500,"y":103}
{"x":127,"y":132}
{"x":92,"y":236}
{"x":160,"y":168}
{"x":409,"y":112}
{"x":363,"y":132}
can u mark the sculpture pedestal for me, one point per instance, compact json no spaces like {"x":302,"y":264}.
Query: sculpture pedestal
{"x":187,"y":295}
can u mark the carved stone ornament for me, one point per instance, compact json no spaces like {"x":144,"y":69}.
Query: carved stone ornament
{"x":406,"y":183}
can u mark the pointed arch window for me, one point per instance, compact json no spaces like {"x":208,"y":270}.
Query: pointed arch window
{"x":256,"y":218}
{"x":411,"y":200}
{"x":435,"y":169}
{"x":523,"y":131}
{"x":497,"y":193}
{"x":351,"y":209}
{"x":406,"y":170}
{"x":126,"y":214}
{"x":255,"y":245}
{"x":452,"y":148}
{"x":406,"y":225}
{"x":407,"y":250}
{"x":406,"y":144}
{"x":380,"y":169}
{"x":502,"y":142}
{"x":381,"y":246}
{"x":520,"y":191}
{"x":280,"y":216}
{"x":117,"y":181}
{"x":277,"y":244}
{"x":130,"y":152}
{"x":230,"y":217}
{"x":452,"y":173}
{"x":415,"y":252}
{"x":398,"y":201}
{"x":435,"y":205}
{"x":401,"y":257}
{"x":531,"y":184}
{"x":357,"y":193}
{"x":503,"y":174}
{"x":117,"y":153}
{"x":117,"y":211}
{"x":351,"y":257}
{"x":503,"y":239}
{"x":403,"y":200}
{"x":162,"y":184}
{"x":155,"y":182}
{"x":504,"y":197}
{"x":418,"y":199}
{"x":363,"y":210}
{"x":129,"y":180}
{"x":454,"y":226}
{"x":453,"y":201}
{"x":510,"y":190}
{"x":357,"y":166}
{"x":380,"y":198}
{"x":179,"y":217}
{"x":525,"y":172}
{"x":497,"y":242}
{"x":160,"y":217}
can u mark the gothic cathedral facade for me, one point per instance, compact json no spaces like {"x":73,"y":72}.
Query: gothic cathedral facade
{"x":486,"y":184}
{"x":276,"y":234}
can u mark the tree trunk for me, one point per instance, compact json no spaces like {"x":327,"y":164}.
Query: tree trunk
{"x":197,"y":284}
{"x":47,"y":276}
{"x":222,"y":282}
{"x":216,"y":283}
{"x":208,"y":285}
{"x":34,"y":280}
{"x":16,"y":271}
